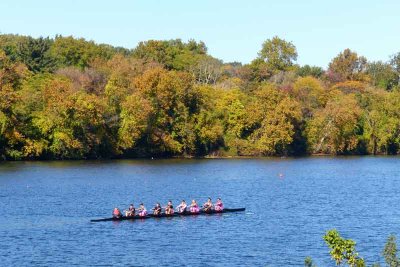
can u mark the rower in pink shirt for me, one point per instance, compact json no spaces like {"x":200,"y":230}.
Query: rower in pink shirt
{"x":194,"y":208}
{"x":219,"y":206}
{"x":142,"y":210}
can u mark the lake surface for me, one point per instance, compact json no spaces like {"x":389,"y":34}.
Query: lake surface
{"x":46,"y":209}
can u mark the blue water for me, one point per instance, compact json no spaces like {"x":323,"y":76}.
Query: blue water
{"x":46,"y":209}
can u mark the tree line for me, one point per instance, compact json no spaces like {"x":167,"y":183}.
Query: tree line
{"x":69,"y":98}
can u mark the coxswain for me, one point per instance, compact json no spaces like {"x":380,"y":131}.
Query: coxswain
{"x":130,"y":211}
{"x":194,"y":208}
{"x":182,"y":207}
{"x":157,"y":209}
{"x":208,"y":205}
{"x":116,"y":213}
{"x":169,"y":209}
{"x":142,"y":210}
{"x":219,"y":206}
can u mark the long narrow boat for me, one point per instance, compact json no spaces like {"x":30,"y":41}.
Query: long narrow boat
{"x":163,"y":215}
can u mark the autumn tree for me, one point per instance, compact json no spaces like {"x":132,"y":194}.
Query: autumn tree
{"x":170,"y":95}
{"x":257,"y":71}
{"x":311,"y":94}
{"x":89,"y":79}
{"x":135,"y":118}
{"x":382,"y":122}
{"x":334,"y":128}
{"x":71,"y":121}
{"x":11,"y":78}
{"x":347,"y":66}
{"x":209,"y":127}
{"x":279,"y":115}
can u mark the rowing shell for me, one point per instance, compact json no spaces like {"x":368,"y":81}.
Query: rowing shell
{"x":163,"y":215}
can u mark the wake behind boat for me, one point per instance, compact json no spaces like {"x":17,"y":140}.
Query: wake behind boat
{"x":163,"y":215}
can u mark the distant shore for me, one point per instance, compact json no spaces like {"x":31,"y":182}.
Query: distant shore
{"x":205,"y":157}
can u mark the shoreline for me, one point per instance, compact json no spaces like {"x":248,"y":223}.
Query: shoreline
{"x":208,"y":157}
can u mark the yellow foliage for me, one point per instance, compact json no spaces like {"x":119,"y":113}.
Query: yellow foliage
{"x":350,"y":87}
{"x":333,"y":129}
{"x":310,"y":92}
{"x":33,"y":148}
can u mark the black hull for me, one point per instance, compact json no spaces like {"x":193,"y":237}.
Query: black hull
{"x":137,"y":217}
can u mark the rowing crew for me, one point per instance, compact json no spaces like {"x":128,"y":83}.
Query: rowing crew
{"x":169,"y":208}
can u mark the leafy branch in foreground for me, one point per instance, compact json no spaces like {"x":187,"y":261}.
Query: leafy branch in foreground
{"x":390,"y":252}
{"x":343,"y":252}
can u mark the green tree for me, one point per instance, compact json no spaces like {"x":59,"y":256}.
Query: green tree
{"x":308,"y":70}
{"x":173,"y":54}
{"x":69,"y":51}
{"x":382,"y":75}
{"x":34,"y":53}
{"x":390,"y":252}
{"x":278,"y":54}
{"x":9,"y":44}
{"x":308,"y":262}
{"x":395,"y":62}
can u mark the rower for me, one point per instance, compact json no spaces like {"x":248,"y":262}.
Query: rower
{"x":182,"y":207}
{"x":194,"y":208}
{"x":116,"y":213}
{"x":219,"y":206}
{"x":169,"y":209}
{"x":207,"y":207}
{"x":142,"y":210}
{"x":130,"y":211}
{"x":157,"y":209}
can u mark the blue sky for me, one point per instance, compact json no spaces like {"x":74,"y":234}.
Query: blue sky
{"x":232,"y":30}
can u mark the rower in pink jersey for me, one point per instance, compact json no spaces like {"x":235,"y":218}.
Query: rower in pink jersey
{"x":117,"y":213}
{"x":219,"y":206}
{"x":142,"y":210}
{"x":194,"y":208}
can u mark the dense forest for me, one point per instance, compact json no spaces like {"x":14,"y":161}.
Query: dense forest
{"x":69,"y":98}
